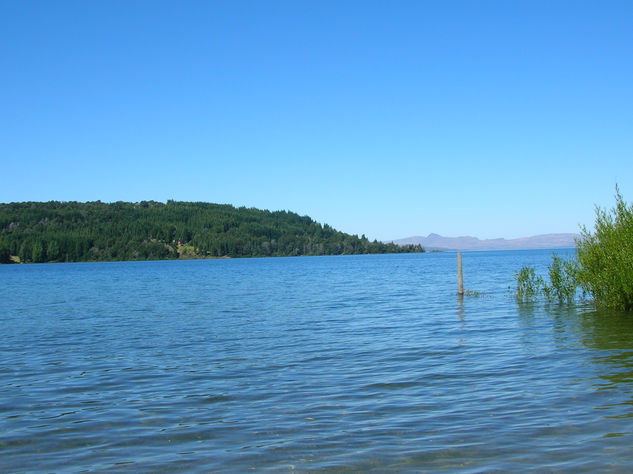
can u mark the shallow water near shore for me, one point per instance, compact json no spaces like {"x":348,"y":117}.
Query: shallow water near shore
{"x":307,"y":363}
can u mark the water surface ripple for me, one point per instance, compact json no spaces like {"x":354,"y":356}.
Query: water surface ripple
{"x":318,"y":363}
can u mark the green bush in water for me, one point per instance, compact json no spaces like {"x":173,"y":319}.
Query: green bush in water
{"x":528,"y":284}
{"x":563,"y":280}
{"x":603,"y":267}
{"x":605,"y":257}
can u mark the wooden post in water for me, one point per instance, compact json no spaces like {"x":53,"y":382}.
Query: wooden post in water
{"x":460,"y":275}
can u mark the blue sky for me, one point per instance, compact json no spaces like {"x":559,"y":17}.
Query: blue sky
{"x":392,"y":119}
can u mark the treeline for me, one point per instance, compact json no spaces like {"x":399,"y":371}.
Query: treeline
{"x":95,"y":231}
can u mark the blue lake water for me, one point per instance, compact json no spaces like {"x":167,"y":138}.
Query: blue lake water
{"x":315,"y":363}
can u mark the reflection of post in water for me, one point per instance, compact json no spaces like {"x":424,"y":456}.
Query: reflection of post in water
{"x":460,"y":307}
{"x":462,"y":318}
{"x":460,"y":289}
{"x":460,"y":276}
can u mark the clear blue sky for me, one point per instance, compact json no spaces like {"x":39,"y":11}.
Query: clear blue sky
{"x":392,"y":118}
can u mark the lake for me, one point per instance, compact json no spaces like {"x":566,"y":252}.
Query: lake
{"x":307,"y":363}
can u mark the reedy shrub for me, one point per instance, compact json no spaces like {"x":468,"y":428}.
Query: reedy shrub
{"x":605,"y":257}
{"x":563,"y":280}
{"x":563,"y":284}
{"x":528,"y":284}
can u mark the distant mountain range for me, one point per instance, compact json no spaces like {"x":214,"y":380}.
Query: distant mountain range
{"x":437,"y":242}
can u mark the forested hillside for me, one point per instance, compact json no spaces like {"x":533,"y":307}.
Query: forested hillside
{"x":95,"y":231}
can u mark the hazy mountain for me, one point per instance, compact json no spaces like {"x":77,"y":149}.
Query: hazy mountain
{"x":545,"y":241}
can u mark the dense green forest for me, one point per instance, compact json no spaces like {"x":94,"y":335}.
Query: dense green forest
{"x":95,"y":231}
